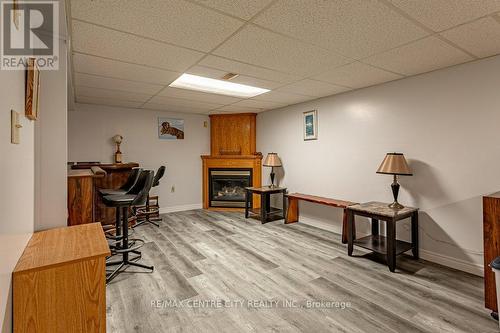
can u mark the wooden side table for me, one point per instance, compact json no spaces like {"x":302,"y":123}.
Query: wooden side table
{"x":266,"y":212}
{"x":388,"y":246}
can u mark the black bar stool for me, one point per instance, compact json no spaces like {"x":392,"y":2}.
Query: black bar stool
{"x":136,"y":196}
{"x":129,"y":183}
{"x":147,"y":211}
{"x":113,"y":234}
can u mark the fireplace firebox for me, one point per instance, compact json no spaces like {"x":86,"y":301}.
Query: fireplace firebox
{"x":227,"y":186}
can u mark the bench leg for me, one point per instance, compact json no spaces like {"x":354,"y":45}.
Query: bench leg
{"x":344,"y":228}
{"x":292,"y":214}
{"x":350,"y":223}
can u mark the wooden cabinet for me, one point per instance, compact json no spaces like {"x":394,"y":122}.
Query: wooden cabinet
{"x":59,"y":283}
{"x":491,"y":236}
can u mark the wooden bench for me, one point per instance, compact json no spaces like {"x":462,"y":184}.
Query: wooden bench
{"x":292,"y":215}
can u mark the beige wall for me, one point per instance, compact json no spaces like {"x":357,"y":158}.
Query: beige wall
{"x":91,"y":127}
{"x":445,"y":122}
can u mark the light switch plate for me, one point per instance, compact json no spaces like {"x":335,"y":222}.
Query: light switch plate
{"x":15,"y":127}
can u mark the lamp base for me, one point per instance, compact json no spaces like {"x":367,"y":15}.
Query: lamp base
{"x":396,"y":205}
{"x":395,"y":191}
{"x":272,"y":178}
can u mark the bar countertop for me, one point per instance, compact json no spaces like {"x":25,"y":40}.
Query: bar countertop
{"x":105,"y":166}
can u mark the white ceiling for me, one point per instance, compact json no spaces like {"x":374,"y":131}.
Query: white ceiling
{"x":127,"y":52}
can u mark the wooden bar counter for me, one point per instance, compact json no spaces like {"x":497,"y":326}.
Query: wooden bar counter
{"x":81,"y":196}
{"x":84,"y":203}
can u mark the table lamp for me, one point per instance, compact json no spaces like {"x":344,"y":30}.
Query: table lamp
{"x":395,"y":164}
{"x":272,"y":160}
{"x":118,"y":154}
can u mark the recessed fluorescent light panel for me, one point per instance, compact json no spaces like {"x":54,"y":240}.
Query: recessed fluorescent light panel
{"x":205,"y":84}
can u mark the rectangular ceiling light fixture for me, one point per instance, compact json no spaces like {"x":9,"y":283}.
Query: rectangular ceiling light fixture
{"x":205,"y":84}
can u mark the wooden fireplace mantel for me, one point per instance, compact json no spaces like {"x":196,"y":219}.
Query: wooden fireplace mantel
{"x":232,"y":146}
{"x":235,"y":162}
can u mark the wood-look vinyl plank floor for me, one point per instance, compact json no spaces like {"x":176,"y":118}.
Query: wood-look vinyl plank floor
{"x":220,"y":272}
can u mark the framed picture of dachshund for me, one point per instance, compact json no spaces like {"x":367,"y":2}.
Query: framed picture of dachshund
{"x":170,"y":128}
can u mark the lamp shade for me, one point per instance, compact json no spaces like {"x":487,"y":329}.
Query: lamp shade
{"x":395,"y":164}
{"x":272,"y":160}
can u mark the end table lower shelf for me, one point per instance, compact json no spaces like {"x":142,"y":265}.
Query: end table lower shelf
{"x":378,"y":244}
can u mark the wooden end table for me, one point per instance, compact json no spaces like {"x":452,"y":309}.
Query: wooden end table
{"x":388,"y":246}
{"x":266,"y":211}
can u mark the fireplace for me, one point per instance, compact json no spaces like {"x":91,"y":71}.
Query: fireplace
{"x":233,"y":163}
{"x":227,"y":186}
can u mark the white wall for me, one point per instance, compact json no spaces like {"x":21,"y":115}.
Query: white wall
{"x":17,"y":187}
{"x":51,"y":146}
{"x":18,"y":177}
{"x":91,"y":127}
{"x":445,"y":122}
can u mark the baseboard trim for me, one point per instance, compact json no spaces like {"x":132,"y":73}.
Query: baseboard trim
{"x":320,"y":224}
{"x":180,"y":208}
{"x":461,"y":265}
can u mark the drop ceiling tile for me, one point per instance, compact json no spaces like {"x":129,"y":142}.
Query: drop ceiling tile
{"x":439,"y":15}
{"x":354,"y":28}
{"x":356,"y":75}
{"x":312,"y":88}
{"x":172,"y":102}
{"x":481,"y":37}
{"x":419,"y":57}
{"x":179,"y":22}
{"x":111,"y":94}
{"x":237,"y":109}
{"x":244,"y":9}
{"x":174,"y":108}
{"x":253,"y":103}
{"x":282,"y":97}
{"x":228,"y":65}
{"x":242,"y":79}
{"x":261,"y":47}
{"x":94,"y":81}
{"x":198,"y":96}
{"x":107,"y":101}
{"x":99,"y":41}
{"x":121,"y":70}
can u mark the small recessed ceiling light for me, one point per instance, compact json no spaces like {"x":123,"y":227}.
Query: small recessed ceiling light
{"x":200,"y":83}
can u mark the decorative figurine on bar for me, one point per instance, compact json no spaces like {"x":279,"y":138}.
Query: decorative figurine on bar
{"x":118,"y":154}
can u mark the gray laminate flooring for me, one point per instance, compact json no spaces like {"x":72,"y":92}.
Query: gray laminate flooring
{"x":220,"y":272}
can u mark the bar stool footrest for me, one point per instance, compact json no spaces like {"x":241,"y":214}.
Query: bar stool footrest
{"x":133,"y":248}
{"x":151,"y":210}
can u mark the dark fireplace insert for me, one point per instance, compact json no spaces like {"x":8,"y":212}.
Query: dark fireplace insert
{"x":227,"y":187}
